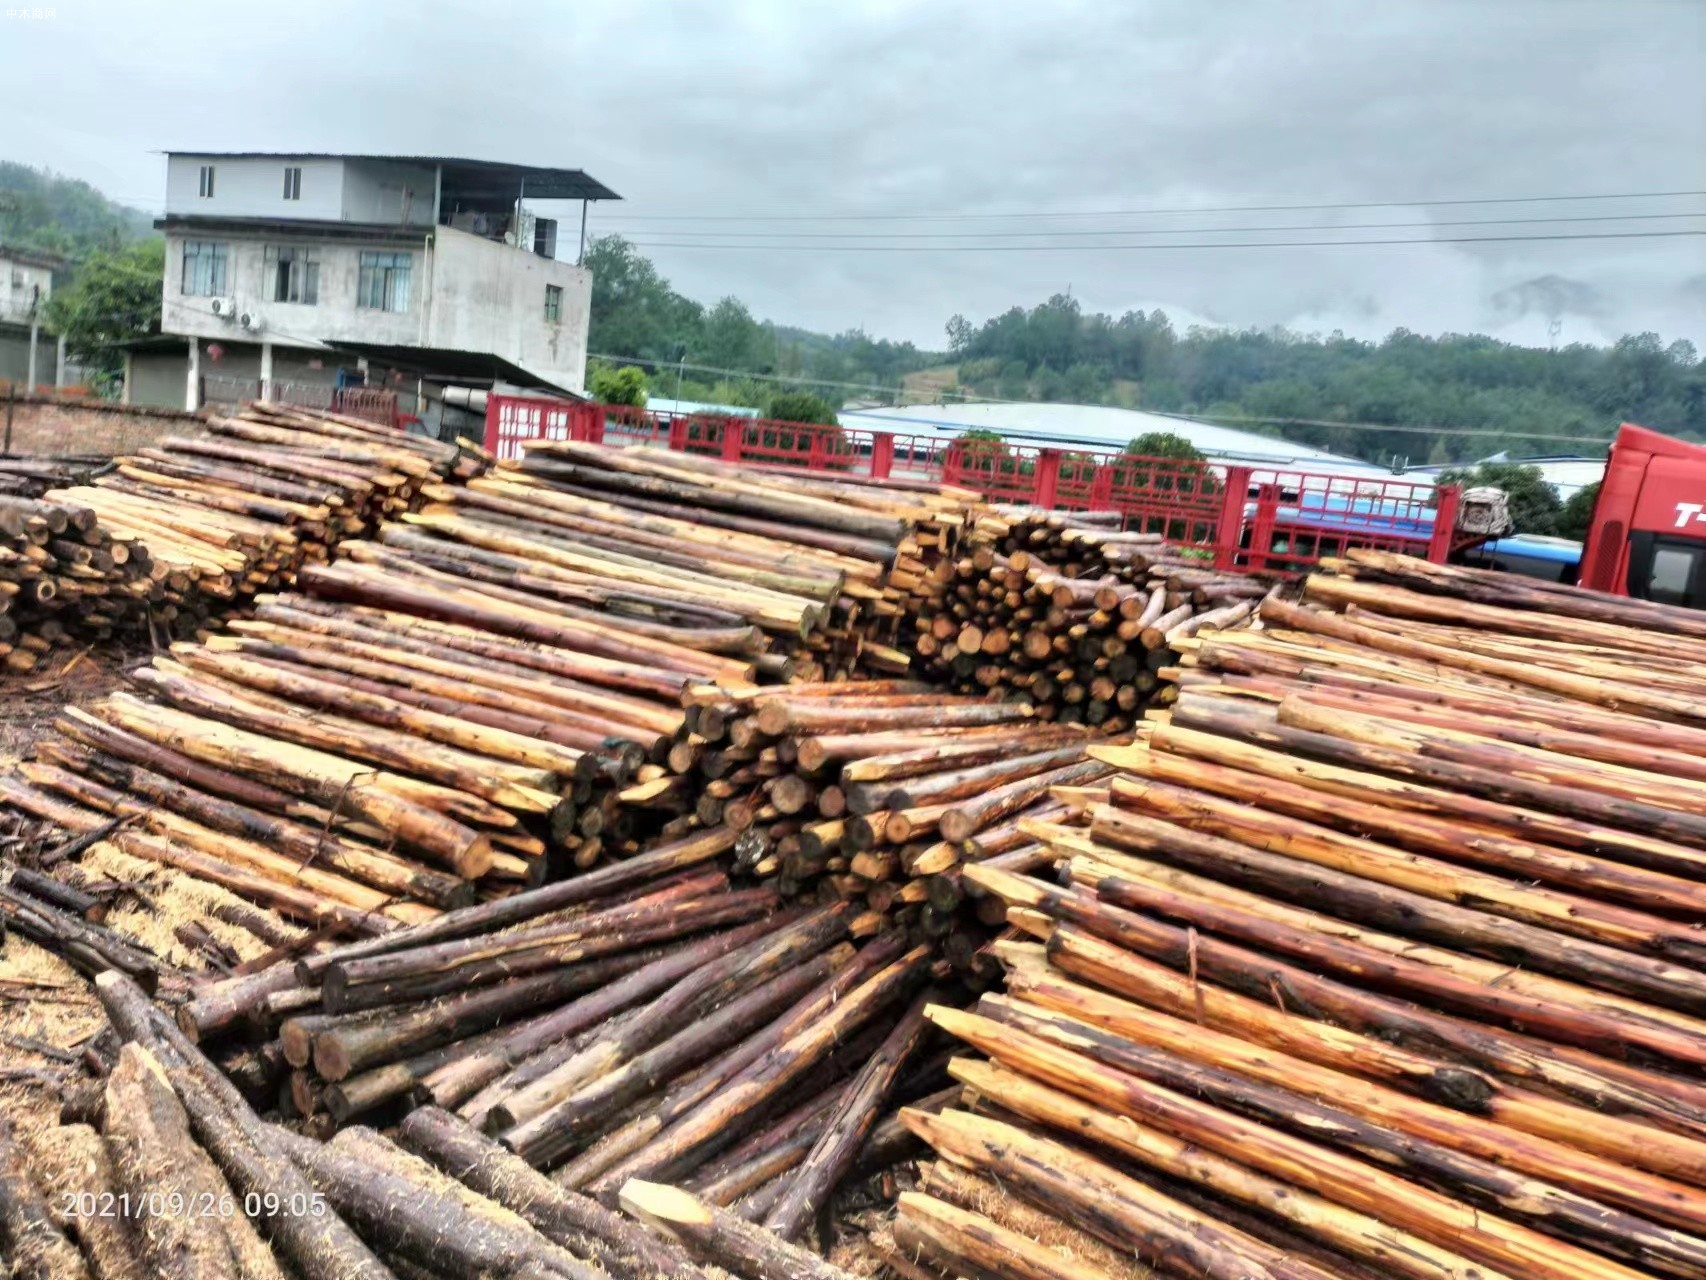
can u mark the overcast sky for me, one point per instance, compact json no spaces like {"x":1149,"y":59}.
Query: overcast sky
{"x":751,"y":111}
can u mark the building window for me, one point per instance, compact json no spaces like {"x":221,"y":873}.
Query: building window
{"x":293,"y":274}
{"x":206,"y":182}
{"x":204,"y":269}
{"x":553,"y":303}
{"x":293,"y":183}
{"x":384,"y":281}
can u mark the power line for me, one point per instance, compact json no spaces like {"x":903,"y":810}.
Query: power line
{"x":1191,"y":231}
{"x":1097,"y":248}
{"x":1124,"y":213}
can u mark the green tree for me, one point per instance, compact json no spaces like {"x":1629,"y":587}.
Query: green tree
{"x":626,"y":385}
{"x":41,"y":210}
{"x":1534,"y":505}
{"x":800,"y":406}
{"x":1577,"y":513}
{"x":1295,"y":385}
{"x":634,"y":311}
{"x":114,"y":298}
{"x":731,"y":339}
{"x":1194,"y":477}
{"x":1164,"y":444}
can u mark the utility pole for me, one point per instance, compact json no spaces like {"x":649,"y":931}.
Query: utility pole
{"x":680,"y":364}
{"x":35,"y":333}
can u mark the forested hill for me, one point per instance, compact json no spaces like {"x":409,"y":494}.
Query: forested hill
{"x":1513,"y":398}
{"x":1286,"y":381}
{"x":46,"y":212}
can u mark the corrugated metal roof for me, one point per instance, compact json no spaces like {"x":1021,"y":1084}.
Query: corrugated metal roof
{"x":1105,"y":427}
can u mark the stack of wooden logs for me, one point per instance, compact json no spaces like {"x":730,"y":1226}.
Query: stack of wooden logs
{"x":65,"y":577}
{"x":353,"y":765}
{"x":824,"y":565}
{"x":1378,"y":959}
{"x":876,"y":792}
{"x":645,"y":1019}
{"x":242,"y":509}
{"x":1086,"y":544}
{"x":489,"y":692}
{"x":1078,"y":621}
{"x":32,"y":477}
{"x":165,"y":1169}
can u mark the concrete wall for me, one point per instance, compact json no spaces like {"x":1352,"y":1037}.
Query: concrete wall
{"x":18,"y":283}
{"x":487,"y":296}
{"x":254,"y":188}
{"x":380,"y":191}
{"x":466,"y":293}
{"x":47,"y":426}
{"x":332,"y":190}
{"x":247,"y":283}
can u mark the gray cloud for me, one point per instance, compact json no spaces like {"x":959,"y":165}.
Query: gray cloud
{"x":884,"y":107}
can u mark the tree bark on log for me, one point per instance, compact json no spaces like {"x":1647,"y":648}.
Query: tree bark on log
{"x":33,"y":1243}
{"x":720,"y":1237}
{"x":190,"y":1221}
{"x":1559,"y":1212}
{"x":576,"y":1222}
{"x":317,"y":1247}
{"x":604,"y":1166}
{"x":1390,"y":1249}
{"x":953,"y":1238}
{"x":1121,"y":1210}
{"x":423,"y":1215}
{"x":76,"y":1162}
{"x":844,"y":1133}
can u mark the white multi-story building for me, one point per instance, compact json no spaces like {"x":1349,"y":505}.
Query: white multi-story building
{"x":26,"y":283}
{"x":27,"y":356}
{"x":288,"y":267}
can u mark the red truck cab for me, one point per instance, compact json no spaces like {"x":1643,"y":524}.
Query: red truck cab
{"x":1648,"y":535}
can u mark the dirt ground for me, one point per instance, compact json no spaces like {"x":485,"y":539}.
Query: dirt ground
{"x":29,"y":703}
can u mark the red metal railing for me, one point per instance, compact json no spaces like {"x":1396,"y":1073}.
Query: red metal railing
{"x":373,"y":403}
{"x":1244,"y":518}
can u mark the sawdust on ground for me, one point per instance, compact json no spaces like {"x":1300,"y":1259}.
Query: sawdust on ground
{"x":29,"y":703}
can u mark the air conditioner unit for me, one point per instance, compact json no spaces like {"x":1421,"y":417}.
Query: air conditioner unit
{"x":226,"y":307}
{"x":253,"y":324}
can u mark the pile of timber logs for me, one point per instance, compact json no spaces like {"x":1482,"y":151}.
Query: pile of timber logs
{"x":64,"y":578}
{"x":167,"y":1170}
{"x":878,"y":792}
{"x":1379,"y":958}
{"x":1077,"y":621}
{"x":643,"y":1020}
{"x":824,"y":565}
{"x":242,"y":509}
{"x":32,"y":477}
{"x":355,"y":767}
{"x":1086,"y":544}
